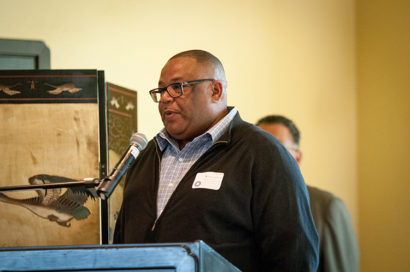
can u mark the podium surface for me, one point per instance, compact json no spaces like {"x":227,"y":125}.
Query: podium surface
{"x":180,"y":257}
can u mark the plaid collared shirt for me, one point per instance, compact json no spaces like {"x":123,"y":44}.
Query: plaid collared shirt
{"x":175,"y":163}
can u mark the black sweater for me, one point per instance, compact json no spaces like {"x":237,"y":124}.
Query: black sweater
{"x":259,"y":219}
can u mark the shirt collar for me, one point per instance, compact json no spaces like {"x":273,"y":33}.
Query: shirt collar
{"x":164,"y":139}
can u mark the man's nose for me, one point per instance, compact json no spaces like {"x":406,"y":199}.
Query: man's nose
{"x":165,"y":97}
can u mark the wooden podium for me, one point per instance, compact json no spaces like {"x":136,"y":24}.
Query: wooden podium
{"x":180,"y":257}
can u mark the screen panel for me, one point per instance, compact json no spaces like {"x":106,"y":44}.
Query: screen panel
{"x":122,"y":123}
{"x":49,"y":133}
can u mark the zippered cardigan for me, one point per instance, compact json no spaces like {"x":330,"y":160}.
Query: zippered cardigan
{"x":259,"y":219}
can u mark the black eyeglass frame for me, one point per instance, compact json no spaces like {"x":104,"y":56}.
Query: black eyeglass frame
{"x":155,"y":91}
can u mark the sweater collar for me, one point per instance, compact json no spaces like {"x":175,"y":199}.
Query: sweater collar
{"x":227,"y":136}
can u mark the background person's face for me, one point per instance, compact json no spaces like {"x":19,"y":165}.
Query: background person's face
{"x":187,"y":116}
{"x":282,"y":133}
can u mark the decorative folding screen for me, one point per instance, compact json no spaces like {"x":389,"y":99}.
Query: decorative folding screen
{"x":53,"y":128}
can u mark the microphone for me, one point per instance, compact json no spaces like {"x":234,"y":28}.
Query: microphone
{"x":138,"y":142}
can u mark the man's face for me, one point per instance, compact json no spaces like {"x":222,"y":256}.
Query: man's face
{"x":282,"y":133}
{"x":189,"y":115}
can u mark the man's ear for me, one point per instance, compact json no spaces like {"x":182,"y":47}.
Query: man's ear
{"x":298,"y":156}
{"x":217,"y":90}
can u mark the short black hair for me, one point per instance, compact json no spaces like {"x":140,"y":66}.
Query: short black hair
{"x":280,"y":119}
{"x":200,"y":56}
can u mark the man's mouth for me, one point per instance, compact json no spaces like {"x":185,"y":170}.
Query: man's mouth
{"x":170,"y":113}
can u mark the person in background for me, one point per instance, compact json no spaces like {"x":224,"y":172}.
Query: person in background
{"x":208,"y":175}
{"x":338,"y":250}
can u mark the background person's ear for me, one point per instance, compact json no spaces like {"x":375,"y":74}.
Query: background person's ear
{"x":298,"y":156}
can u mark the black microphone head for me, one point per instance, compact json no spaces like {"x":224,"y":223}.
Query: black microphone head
{"x":139,"y":140}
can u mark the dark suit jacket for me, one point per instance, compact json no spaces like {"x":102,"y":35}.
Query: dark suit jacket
{"x":338,"y":250}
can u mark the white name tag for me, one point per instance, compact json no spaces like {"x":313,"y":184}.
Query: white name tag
{"x":208,"y":180}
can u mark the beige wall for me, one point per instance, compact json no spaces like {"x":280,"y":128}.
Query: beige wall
{"x":383,"y":36}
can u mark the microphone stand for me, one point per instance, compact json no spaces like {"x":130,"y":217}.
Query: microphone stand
{"x":87,"y":183}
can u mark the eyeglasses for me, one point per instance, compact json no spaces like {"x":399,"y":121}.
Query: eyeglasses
{"x":175,"y":89}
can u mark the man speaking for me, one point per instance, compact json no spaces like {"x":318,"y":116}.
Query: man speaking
{"x":208,"y":175}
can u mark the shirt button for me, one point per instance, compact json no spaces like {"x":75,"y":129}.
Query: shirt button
{"x":170,"y":184}
{"x":180,"y":159}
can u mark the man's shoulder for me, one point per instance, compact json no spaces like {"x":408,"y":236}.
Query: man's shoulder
{"x":322,"y":197}
{"x":325,"y":202}
{"x":250,"y":133}
{"x":321,"y":194}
